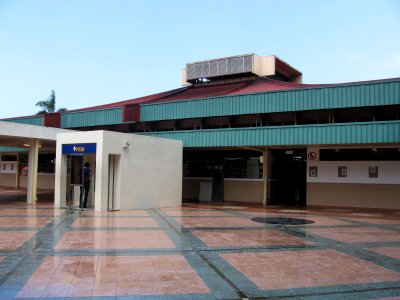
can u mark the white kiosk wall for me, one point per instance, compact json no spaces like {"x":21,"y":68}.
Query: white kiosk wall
{"x":147,"y":171}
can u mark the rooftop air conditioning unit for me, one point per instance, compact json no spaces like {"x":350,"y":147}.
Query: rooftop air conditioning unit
{"x":234,"y":66}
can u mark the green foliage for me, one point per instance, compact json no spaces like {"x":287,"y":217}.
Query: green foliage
{"x":49,"y":105}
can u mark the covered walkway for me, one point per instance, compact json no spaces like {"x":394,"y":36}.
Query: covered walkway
{"x":35,"y":139}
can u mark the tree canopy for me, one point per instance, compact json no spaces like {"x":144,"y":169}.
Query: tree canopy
{"x":49,"y":105}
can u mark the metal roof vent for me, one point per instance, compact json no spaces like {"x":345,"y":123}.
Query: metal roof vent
{"x":236,"y":66}
{"x":219,"y":67}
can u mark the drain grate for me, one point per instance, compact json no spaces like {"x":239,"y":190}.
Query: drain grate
{"x":283,"y":221}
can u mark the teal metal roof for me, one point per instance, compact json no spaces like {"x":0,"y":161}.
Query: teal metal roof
{"x":12,"y":149}
{"x":34,"y":120}
{"x":321,"y":134}
{"x":343,"y":96}
{"x":86,"y":118}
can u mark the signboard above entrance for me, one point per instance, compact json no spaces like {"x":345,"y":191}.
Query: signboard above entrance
{"x":78,"y":148}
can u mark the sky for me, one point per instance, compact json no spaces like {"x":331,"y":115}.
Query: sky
{"x":95,"y":52}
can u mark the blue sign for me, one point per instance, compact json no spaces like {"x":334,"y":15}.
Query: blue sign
{"x":78,"y":148}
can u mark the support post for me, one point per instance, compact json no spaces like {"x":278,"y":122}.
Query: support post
{"x":17,"y":175}
{"x":265,"y":177}
{"x":32,"y":172}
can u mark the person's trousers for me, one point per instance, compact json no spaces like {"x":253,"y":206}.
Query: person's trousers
{"x":83,"y":200}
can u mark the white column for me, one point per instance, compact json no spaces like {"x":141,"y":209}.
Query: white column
{"x":265,"y":176}
{"x":32,"y":171}
{"x":60,"y":187}
{"x":17,"y":175}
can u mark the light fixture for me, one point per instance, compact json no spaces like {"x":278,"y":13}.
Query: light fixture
{"x":26,"y":145}
{"x":126,"y":144}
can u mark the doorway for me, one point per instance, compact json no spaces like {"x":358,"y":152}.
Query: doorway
{"x":75,"y":179}
{"x":113,"y":181}
{"x":287,"y":180}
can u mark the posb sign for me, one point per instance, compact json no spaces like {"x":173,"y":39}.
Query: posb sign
{"x":78,"y":148}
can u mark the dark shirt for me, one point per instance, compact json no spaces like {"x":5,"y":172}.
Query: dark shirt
{"x":86,"y":176}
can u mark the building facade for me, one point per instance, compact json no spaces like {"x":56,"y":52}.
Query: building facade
{"x":252,"y":132}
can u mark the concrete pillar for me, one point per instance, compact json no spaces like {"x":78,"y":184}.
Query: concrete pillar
{"x":265,"y":176}
{"x":61,"y":189}
{"x":17,"y":175}
{"x":32,"y":171}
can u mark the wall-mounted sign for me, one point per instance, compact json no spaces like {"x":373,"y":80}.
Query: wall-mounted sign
{"x":373,"y":172}
{"x":342,"y":171}
{"x":8,"y":166}
{"x":312,"y":155}
{"x":313,"y":171}
{"x":78,"y":148}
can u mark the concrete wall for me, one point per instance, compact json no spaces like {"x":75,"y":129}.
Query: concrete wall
{"x":245,"y":190}
{"x":239,"y":190}
{"x":149,"y":173}
{"x":354,"y":195}
{"x":45,"y":181}
{"x":358,"y":187}
{"x":387,"y":172}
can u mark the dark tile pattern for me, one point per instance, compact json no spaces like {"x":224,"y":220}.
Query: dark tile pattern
{"x":198,"y":251}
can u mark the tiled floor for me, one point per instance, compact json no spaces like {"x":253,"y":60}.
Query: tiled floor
{"x":121,"y":239}
{"x":199,"y":251}
{"x":115,"y":222}
{"x":12,"y":240}
{"x":309,"y":268}
{"x":83,"y":276}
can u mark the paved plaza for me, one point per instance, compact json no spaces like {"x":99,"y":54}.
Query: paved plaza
{"x":198,"y":251}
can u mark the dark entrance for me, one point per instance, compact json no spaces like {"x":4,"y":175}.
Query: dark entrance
{"x":287,"y":177}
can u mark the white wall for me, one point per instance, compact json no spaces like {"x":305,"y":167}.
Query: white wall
{"x":357,"y":172}
{"x":150,"y":170}
{"x":8,"y":167}
{"x":45,"y":180}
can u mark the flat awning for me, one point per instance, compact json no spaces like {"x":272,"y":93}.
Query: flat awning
{"x":20,"y":135}
{"x":31,"y":137}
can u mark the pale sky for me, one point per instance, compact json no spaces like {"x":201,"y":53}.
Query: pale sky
{"x":95,"y":52}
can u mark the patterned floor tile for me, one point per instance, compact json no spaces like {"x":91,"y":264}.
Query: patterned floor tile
{"x":15,"y":222}
{"x":122,"y":239}
{"x":84,"y":276}
{"x":104,"y":222}
{"x":357,"y":234}
{"x":31,"y":211}
{"x":216,"y":222}
{"x":248,"y":238}
{"x":382,"y":221}
{"x":128,"y":213}
{"x":193,"y":213}
{"x":12,"y":240}
{"x":310,"y":268}
{"x":388,"y":251}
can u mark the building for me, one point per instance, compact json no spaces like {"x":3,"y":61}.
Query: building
{"x":253,"y":132}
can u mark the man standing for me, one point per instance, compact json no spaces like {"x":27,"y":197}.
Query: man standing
{"x":87,"y":173}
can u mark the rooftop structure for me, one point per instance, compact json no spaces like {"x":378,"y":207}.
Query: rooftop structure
{"x":239,"y":67}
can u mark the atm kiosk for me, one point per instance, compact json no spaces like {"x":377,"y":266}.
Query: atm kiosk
{"x":128,"y":171}
{"x":77,"y":155}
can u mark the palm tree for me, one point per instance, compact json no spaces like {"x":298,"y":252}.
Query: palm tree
{"x":49,"y":105}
